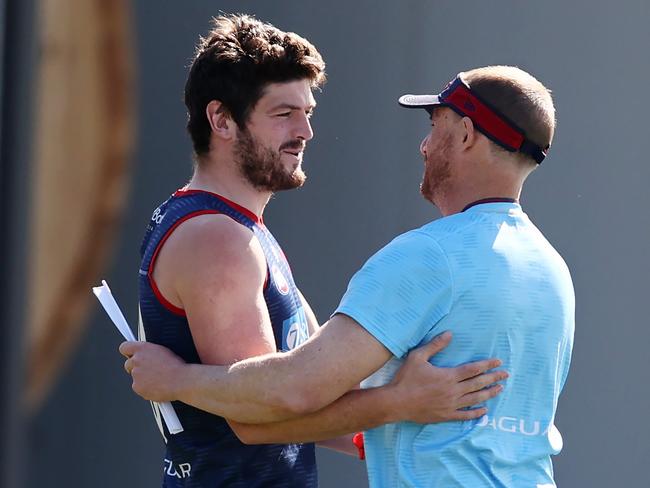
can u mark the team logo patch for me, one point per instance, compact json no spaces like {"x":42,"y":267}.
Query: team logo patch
{"x":281,"y":282}
{"x":294,"y":330}
{"x":293,"y":335}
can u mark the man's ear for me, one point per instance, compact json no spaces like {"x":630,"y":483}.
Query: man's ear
{"x":468,"y":133}
{"x":221,"y":123}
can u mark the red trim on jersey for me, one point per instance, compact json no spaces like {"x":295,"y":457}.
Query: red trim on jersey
{"x":166,"y":303}
{"x":267,"y":279}
{"x":163,"y":301}
{"x":236,"y":206}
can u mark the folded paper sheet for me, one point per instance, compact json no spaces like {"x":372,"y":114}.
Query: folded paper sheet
{"x":105,"y":297}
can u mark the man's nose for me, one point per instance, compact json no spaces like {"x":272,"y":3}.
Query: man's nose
{"x":303,"y":129}
{"x":423,"y":146}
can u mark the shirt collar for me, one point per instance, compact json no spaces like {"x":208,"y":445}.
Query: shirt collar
{"x":492,"y":200}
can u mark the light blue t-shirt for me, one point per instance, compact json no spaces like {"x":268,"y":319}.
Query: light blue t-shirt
{"x":489,"y":276}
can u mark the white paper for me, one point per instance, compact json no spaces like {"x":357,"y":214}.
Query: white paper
{"x":105,"y":297}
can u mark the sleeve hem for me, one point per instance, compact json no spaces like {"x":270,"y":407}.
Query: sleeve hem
{"x":358,"y":317}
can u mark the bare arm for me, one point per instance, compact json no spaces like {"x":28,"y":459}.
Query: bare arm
{"x":420,"y":392}
{"x":322,"y":369}
{"x":342,"y":444}
{"x":409,"y":397}
{"x":214,"y":269}
{"x":355,"y":411}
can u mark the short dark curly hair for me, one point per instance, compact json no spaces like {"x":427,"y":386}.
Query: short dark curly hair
{"x":234,"y":63}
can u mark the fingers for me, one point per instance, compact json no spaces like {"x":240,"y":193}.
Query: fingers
{"x":479,"y":382}
{"x":128,"y":348}
{"x":128,"y":365}
{"x":435,"y":345}
{"x":470,"y":370}
{"x":479,"y":396}
{"x":471,"y":414}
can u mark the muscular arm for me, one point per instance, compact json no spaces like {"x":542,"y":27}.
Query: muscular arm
{"x":405,"y":398}
{"x":355,"y":411}
{"x":214,"y":269}
{"x":419,"y":392}
{"x":279,"y":386}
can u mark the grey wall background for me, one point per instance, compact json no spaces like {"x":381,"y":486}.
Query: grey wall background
{"x":589,"y":198}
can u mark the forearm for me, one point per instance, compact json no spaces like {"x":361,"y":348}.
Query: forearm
{"x":244,"y":392}
{"x":355,"y":411}
{"x":319,"y":371}
{"x":341,"y":444}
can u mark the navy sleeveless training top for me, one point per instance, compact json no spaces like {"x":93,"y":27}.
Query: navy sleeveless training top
{"x":207,"y":453}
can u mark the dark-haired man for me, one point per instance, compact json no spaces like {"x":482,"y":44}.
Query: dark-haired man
{"x":215,"y":286}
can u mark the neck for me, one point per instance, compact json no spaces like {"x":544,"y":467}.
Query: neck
{"x":479,"y":175}
{"x":223,"y":176}
{"x":454,"y":199}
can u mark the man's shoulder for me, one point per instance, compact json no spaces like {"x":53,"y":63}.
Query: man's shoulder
{"x":413,"y":249}
{"x":429,"y":238}
{"x":451,"y":226}
{"x":216,"y":227}
{"x":412,"y":240}
{"x":215,"y":241}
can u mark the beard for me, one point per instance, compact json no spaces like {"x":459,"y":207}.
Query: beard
{"x":262,"y":166}
{"x":437,"y":171}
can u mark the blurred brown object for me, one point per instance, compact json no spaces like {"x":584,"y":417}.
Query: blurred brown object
{"x":84,"y":133}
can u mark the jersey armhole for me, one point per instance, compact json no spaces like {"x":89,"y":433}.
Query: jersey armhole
{"x":154,"y":287}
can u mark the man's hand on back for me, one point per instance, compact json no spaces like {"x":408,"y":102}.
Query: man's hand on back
{"x":429,"y":394}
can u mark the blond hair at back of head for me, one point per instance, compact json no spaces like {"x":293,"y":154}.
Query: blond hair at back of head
{"x":520,"y":97}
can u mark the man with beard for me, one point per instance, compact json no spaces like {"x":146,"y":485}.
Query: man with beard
{"x":215,"y":286}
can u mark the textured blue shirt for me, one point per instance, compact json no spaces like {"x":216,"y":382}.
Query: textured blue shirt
{"x":489,"y":276}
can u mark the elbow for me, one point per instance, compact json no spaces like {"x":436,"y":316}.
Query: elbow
{"x":299,"y":398}
{"x":246,"y":433}
{"x":301,"y":402}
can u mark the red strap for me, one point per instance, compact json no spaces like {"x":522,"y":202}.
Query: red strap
{"x":465,"y":101}
{"x":357,"y":440}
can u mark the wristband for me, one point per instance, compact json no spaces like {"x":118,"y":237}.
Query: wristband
{"x":357,"y":440}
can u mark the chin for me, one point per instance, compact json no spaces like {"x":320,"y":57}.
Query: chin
{"x":299,"y":176}
{"x":427,"y":193}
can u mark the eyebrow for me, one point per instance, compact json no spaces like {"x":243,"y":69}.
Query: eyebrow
{"x":291,"y":107}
